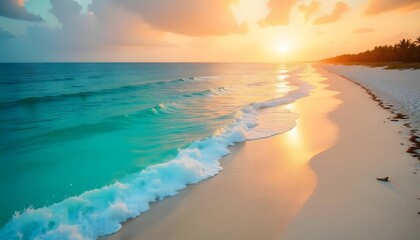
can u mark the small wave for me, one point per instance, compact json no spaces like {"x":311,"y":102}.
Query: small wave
{"x":257,"y":84}
{"x":206,"y":78}
{"x":30,"y":100}
{"x":209,"y":92}
{"x":115,"y":123}
{"x":96,"y":76}
{"x":19,"y":82}
{"x":99,"y":212}
{"x":163,"y":108}
{"x":84,"y":94}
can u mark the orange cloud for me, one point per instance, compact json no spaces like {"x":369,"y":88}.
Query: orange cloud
{"x":279,"y":14}
{"x":339,"y":9}
{"x":117,"y":26}
{"x":363,"y":30}
{"x":309,"y":10}
{"x":381,"y":6}
{"x":188,"y":17}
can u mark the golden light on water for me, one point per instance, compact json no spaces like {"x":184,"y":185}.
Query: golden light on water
{"x":282,"y":85}
{"x":289,"y":106}
{"x":282,"y":77}
{"x":282,"y":71}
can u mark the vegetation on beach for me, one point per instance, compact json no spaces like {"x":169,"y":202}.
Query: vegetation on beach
{"x":385,"y":65}
{"x":402,"y":55}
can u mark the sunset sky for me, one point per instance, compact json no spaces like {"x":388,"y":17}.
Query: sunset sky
{"x":200,"y":30}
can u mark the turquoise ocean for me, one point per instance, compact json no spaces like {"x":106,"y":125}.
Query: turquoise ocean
{"x":86,"y":146}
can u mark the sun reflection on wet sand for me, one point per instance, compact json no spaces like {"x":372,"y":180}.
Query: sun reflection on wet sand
{"x":313,"y":133}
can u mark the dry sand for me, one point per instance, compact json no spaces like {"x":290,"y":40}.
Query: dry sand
{"x":348,"y":202}
{"x":316,"y":181}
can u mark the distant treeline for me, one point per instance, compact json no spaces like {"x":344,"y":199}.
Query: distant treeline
{"x":405,"y":51}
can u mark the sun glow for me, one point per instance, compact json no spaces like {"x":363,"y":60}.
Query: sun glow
{"x":283,"y":48}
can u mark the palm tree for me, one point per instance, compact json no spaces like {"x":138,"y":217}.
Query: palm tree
{"x":404,"y":43}
{"x":406,"y":50}
{"x":403,"y":50}
{"x":417,"y":41}
{"x":417,"y":49}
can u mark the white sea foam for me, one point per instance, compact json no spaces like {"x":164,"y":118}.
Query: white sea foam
{"x":101,"y":211}
{"x":272,"y":121}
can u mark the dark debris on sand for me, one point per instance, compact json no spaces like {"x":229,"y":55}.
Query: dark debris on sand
{"x":414,"y":149}
{"x":384,"y":179}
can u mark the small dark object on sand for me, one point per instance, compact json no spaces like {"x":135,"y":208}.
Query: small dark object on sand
{"x":385,"y":179}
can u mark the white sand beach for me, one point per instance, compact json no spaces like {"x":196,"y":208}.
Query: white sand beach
{"x":399,"y":88}
{"x":317,"y":181}
{"x":348,"y":202}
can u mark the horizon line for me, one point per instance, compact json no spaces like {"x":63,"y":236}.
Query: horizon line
{"x":244,"y":62}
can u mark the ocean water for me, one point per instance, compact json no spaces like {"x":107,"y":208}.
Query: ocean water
{"x":86,"y":146}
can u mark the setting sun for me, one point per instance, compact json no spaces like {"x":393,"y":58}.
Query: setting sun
{"x":283,"y":48}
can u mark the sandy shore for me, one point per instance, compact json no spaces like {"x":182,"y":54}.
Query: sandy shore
{"x":316,"y":181}
{"x":348,"y":202}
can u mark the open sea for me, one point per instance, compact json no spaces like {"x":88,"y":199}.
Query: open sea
{"x":86,"y":146}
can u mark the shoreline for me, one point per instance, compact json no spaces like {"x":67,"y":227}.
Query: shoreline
{"x":263,"y":184}
{"x":302,"y":184}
